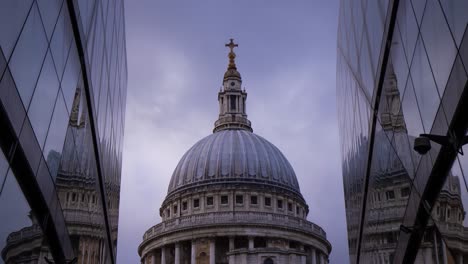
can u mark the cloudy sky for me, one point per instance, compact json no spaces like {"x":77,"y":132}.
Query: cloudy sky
{"x":176,"y":60}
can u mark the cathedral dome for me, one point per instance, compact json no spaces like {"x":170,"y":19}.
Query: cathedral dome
{"x":234,"y":197}
{"x":233,"y":156}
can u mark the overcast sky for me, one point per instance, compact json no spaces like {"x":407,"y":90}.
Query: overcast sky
{"x":176,"y":61}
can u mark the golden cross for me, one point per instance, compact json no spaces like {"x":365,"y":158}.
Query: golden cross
{"x":231,"y":45}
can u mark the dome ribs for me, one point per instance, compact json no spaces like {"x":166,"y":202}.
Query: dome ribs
{"x":214,"y":155}
{"x":252,"y":158}
{"x":275,"y":166}
{"x":233,"y":156}
{"x":192,"y":161}
{"x":264,"y":159}
{"x":240,"y":169}
{"x":201,"y":172}
{"x":226,"y":155}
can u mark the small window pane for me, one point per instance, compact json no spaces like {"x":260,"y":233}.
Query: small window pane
{"x":239,"y":199}
{"x":184,"y":206}
{"x":28,"y":56}
{"x":196,"y":203}
{"x":224,"y":199}
{"x":390,"y":195}
{"x":209,"y":200}
{"x":253,"y":199}
{"x":280,"y":204}
{"x":405,"y":192}
{"x":267,"y":201}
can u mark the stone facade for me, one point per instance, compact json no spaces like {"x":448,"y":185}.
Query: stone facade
{"x":234,"y":198}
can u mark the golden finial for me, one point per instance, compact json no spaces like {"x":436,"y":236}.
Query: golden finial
{"x":231,"y":45}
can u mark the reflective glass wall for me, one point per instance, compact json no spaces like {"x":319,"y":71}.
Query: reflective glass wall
{"x":63,"y":77}
{"x":401,"y":72}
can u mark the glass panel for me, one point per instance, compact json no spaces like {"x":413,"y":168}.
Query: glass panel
{"x":12,"y":17}
{"x":408,"y":29}
{"x":12,"y":102}
{"x":419,"y":8}
{"x":57,"y":130}
{"x":2,"y":63}
{"x":449,"y":215}
{"x":399,"y":62}
{"x":43,"y":101}
{"x":455,"y":12}
{"x":4,"y":166}
{"x":28,"y":56}
{"x":49,"y":13}
{"x":61,"y":40}
{"x":375,"y":26}
{"x":425,"y":89}
{"x":70,"y":77}
{"x":86,"y":13}
{"x":438,"y":43}
{"x":20,"y":228}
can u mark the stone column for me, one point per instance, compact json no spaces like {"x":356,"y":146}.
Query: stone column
{"x":177,"y":253}
{"x":460,"y":258}
{"x":212,"y":251}
{"x":153,"y":257}
{"x":427,"y":258}
{"x":322,"y":258}
{"x":303,"y":259}
{"x":163,"y":255}
{"x":251,"y":243}
{"x":193,"y":256}
{"x":313,"y":256}
{"x":231,"y":243}
{"x":232,"y":246}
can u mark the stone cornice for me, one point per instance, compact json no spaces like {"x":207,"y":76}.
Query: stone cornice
{"x":225,"y":220}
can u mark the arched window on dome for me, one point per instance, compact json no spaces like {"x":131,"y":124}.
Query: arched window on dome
{"x":268,"y":261}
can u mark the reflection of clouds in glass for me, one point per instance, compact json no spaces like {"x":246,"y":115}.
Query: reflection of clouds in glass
{"x":53,"y":161}
{"x":42,"y":104}
{"x":3,"y":170}
{"x":15,"y":209}
{"x":58,"y":127}
{"x":12,"y":16}
{"x":70,"y":77}
{"x":28,"y":56}
{"x":424,"y":87}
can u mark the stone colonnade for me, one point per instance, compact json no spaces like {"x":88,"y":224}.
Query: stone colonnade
{"x":153,"y":257}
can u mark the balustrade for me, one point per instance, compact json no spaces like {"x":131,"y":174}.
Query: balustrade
{"x":204,"y":219}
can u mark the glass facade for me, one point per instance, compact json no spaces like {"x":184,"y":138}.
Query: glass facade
{"x":63,"y":82}
{"x":401,"y":72}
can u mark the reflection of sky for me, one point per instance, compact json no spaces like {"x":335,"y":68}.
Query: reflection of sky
{"x":176,"y":56}
{"x":14,"y":208}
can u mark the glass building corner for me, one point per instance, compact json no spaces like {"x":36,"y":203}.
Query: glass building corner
{"x":402,"y":72}
{"x":63,"y":86}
